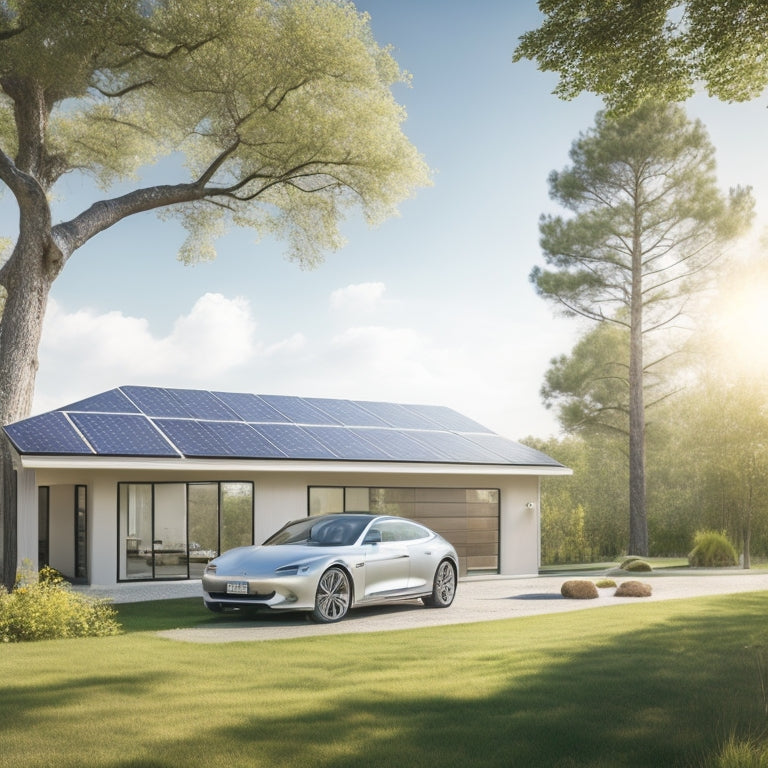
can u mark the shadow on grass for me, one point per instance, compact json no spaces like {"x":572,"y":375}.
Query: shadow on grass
{"x":630,"y":686}
{"x":659,"y":696}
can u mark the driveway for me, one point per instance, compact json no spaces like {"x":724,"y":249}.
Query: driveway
{"x":478,"y":599}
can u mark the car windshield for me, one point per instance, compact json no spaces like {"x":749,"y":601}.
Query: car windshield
{"x":321,"y":531}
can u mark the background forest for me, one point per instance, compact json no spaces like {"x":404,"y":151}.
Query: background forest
{"x":707,"y":469}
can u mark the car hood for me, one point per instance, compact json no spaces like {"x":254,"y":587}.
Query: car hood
{"x":262,"y":558}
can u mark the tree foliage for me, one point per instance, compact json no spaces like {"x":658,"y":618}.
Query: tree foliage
{"x":630,"y":52}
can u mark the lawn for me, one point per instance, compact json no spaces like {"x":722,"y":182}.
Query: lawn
{"x":645,"y":684}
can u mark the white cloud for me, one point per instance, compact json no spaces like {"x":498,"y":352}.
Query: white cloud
{"x":358,"y":298}
{"x":84,"y":352}
{"x":491,"y":377}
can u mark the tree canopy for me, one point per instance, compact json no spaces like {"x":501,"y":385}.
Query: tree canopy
{"x":629,"y":51}
{"x":282,"y":110}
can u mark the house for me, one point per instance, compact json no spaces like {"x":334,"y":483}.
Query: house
{"x":147,"y":484}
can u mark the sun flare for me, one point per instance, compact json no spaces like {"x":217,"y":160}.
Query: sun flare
{"x":742,"y":330}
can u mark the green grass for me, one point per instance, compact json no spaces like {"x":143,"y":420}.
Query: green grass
{"x":653,"y":684}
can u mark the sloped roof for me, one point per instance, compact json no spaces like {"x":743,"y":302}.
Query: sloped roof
{"x":135,"y":421}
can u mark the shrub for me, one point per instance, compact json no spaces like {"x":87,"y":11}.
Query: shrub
{"x":44,"y":607}
{"x":579,"y":590}
{"x":605,"y":583}
{"x":633,"y":589}
{"x":626,"y":561}
{"x":740,"y":753}
{"x":711,"y":549}
{"x":637,"y":565}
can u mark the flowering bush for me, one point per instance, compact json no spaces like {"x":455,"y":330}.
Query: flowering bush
{"x":43,"y":607}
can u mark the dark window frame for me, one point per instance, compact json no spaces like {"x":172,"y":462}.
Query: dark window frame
{"x":187,"y":483}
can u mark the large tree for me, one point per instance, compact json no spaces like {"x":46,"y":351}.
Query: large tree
{"x":632,"y":50}
{"x":646,"y":224}
{"x":281,"y":109}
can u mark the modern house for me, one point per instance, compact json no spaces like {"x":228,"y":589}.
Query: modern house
{"x":147,"y":484}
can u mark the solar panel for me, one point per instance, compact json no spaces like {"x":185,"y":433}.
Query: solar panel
{"x":201,"y":404}
{"x":511,"y":452}
{"x":250,"y":407}
{"x":454,"y":447}
{"x":447,"y":418}
{"x":154,"y":401}
{"x":346,"y":412}
{"x":346,"y":444}
{"x":113,"y":401}
{"x":400,"y":445}
{"x":122,"y":435}
{"x":298,"y":410}
{"x":296,"y":442}
{"x":151,"y":421}
{"x":192,"y":438}
{"x":210,"y":439}
{"x":49,"y":433}
{"x":398,"y":416}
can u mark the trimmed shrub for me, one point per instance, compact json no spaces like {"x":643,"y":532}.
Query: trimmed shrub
{"x":605,"y":583}
{"x":627,"y":560}
{"x":44,"y":607}
{"x":579,"y":590}
{"x":711,"y":549}
{"x":633,"y":589}
{"x":637,"y":565}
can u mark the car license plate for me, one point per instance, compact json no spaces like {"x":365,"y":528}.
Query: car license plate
{"x":237,"y":587}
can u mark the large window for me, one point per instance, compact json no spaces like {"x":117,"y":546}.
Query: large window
{"x":467,"y":517}
{"x":171,"y":530}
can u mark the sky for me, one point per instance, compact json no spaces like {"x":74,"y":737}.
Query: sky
{"x":431,"y":307}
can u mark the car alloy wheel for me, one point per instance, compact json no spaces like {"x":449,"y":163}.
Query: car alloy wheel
{"x":333,"y":596}
{"x":444,"y":587}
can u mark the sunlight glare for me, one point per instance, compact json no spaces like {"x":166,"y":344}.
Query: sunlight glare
{"x":743,"y":331}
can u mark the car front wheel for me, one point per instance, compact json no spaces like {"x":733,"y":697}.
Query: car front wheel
{"x":333,"y":596}
{"x":444,"y":586}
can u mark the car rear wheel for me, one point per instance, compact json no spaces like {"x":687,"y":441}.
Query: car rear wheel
{"x":444,"y":586}
{"x":332,"y":597}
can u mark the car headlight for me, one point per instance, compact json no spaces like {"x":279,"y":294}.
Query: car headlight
{"x":292,"y":570}
{"x":210,"y":569}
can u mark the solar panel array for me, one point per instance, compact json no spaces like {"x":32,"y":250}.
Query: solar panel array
{"x":187,"y":423}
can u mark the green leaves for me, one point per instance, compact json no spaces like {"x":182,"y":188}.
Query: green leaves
{"x":631,"y":52}
{"x":282,"y":109}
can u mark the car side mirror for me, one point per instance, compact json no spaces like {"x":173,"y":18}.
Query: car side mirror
{"x":372,"y":537}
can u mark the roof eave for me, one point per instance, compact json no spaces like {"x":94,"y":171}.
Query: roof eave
{"x":38,"y":461}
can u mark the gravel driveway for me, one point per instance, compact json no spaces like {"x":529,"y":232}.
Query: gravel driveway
{"x":478,"y":599}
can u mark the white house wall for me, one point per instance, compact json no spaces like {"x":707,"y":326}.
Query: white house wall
{"x":278,"y":497}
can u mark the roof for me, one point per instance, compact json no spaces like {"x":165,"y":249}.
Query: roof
{"x":147,"y":422}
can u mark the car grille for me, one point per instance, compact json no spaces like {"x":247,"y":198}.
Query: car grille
{"x":241,"y":598}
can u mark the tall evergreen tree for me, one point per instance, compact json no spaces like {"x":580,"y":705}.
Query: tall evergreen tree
{"x":647,"y":224}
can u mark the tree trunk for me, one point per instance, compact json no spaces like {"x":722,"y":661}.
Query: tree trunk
{"x":638,"y":523}
{"x":27,"y":277}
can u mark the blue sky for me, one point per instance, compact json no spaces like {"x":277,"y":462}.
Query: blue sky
{"x":431,"y":307}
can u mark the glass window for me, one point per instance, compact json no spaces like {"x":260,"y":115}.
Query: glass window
{"x":135,"y":529}
{"x":401,"y":530}
{"x":81,"y":533}
{"x":169,"y":540}
{"x":236,"y":515}
{"x":172,"y":530}
{"x":326,"y":501}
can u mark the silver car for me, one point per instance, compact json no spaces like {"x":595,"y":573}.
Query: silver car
{"x":328,"y":564}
